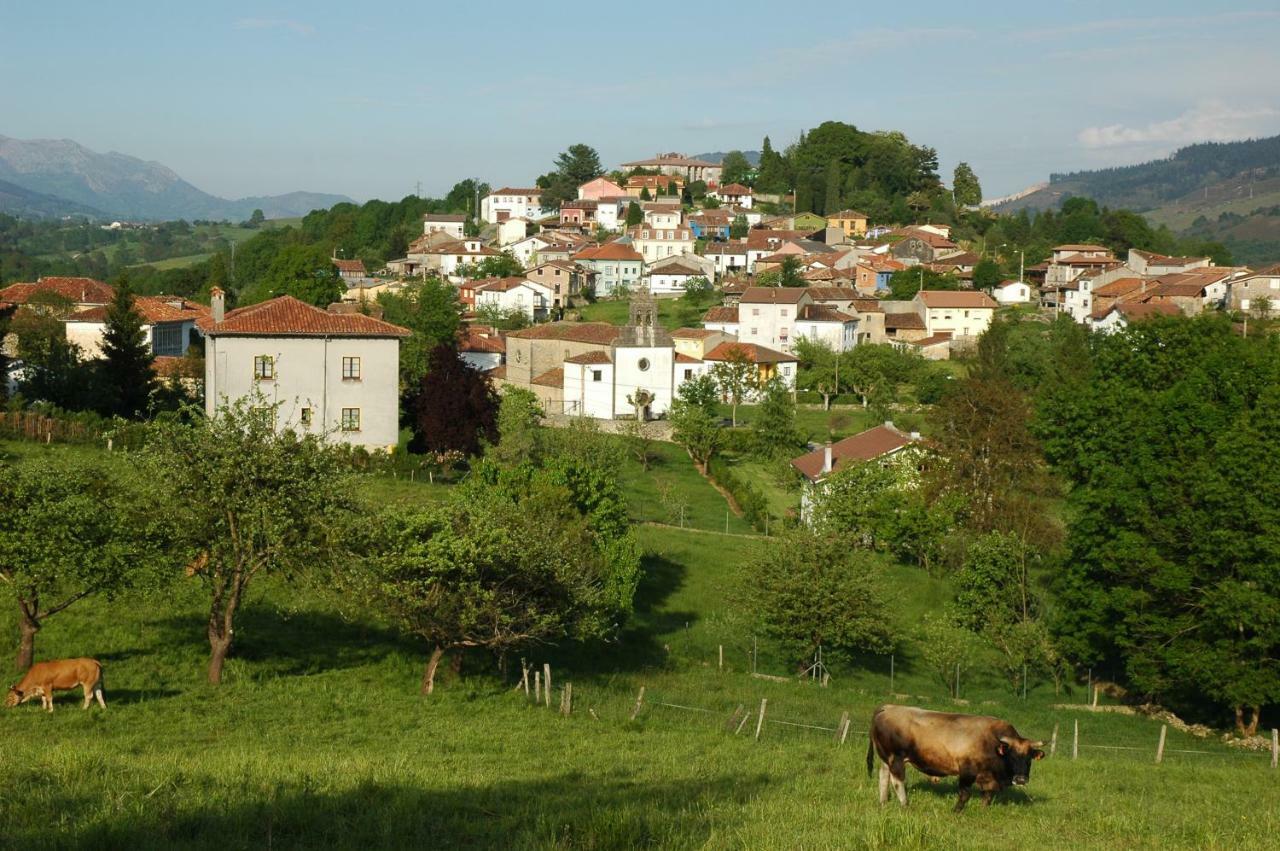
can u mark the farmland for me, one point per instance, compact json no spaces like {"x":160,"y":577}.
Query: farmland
{"x":318,"y":737}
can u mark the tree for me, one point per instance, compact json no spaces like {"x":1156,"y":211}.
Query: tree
{"x":574,"y":167}
{"x":833,"y":183}
{"x":738,"y":227}
{"x":454,"y":409}
{"x":735,"y":168}
{"x":987,"y":275}
{"x":53,"y":369}
{"x":255,"y":219}
{"x":502,"y":265}
{"x":809,"y":591}
{"x":698,"y":290}
{"x":965,"y":187}
{"x":694,"y":422}
{"x":905,"y":283}
{"x":246,"y":500}
{"x":948,"y":650}
{"x":640,"y":440}
{"x":517,"y":558}
{"x":6,"y":313}
{"x":774,"y":427}
{"x":773,"y":176}
{"x":645,"y":195}
{"x":1169,"y":582}
{"x":432,"y":312}
{"x":72,"y":529}
{"x":127,"y":376}
{"x":519,"y":420}
{"x":635,"y":215}
{"x":736,"y":377}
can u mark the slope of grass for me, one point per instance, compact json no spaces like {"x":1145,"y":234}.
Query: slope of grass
{"x":672,"y":312}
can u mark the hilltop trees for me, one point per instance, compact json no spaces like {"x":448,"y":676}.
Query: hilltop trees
{"x":735,"y":168}
{"x":965,"y":187}
{"x":573,"y":168}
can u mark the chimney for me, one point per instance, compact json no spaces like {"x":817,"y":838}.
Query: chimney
{"x":915,"y":435}
{"x":889,"y":424}
{"x":217,"y":303}
{"x":826,"y":458}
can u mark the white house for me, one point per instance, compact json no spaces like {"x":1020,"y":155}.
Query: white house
{"x":767,"y":315}
{"x":655,"y":243}
{"x":447,"y":223}
{"x":879,"y":444}
{"x":735,"y":194}
{"x":335,"y":375}
{"x":818,"y":323}
{"x":723,"y":319}
{"x":1012,"y":292}
{"x":669,"y":276}
{"x":961,"y":313}
{"x":515,"y":293}
{"x":512,"y":231}
{"x":168,"y":325}
{"x":513,"y":203}
{"x":728,"y":258}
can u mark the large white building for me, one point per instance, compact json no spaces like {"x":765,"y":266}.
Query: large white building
{"x":513,"y":203}
{"x":335,"y":375}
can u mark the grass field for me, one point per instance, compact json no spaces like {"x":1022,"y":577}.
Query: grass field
{"x":672,"y":312}
{"x":319,"y":739}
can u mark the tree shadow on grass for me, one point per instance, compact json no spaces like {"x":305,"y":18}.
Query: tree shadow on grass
{"x":569,"y":810}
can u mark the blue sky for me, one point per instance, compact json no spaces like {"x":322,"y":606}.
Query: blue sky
{"x":369,"y":98}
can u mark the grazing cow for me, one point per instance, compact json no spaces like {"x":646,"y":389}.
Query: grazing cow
{"x":980,"y":750}
{"x":46,"y":677}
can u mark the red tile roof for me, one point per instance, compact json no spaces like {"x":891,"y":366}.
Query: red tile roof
{"x":507,"y":190}
{"x":608,"y":251}
{"x":866,"y":446}
{"x":681,"y":357}
{"x":694,"y":333}
{"x":754,"y":353}
{"x":903,"y":321}
{"x":721,"y":314}
{"x":773,"y":295}
{"x":932,"y":340}
{"x":286,"y":316}
{"x":452,"y":218}
{"x":823,"y":313}
{"x":733,"y":189}
{"x":78,"y":290}
{"x":590,"y":358}
{"x":956,"y":299}
{"x":355,"y":266}
{"x":1081,"y":247}
{"x":601,"y":333}
{"x":550,"y":378}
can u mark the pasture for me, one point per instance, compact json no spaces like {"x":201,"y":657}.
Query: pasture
{"x":318,"y":737}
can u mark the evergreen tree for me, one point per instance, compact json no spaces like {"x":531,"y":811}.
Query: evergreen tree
{"x":734,"y":168}
{"x":127,"y":379}
{"x":634,"y":214}
{"x":964,"y":185}
{"x":773,"y":170}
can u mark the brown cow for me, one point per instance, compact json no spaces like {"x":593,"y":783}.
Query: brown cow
{"x":45,"y":677}
{"x":980,"y":750}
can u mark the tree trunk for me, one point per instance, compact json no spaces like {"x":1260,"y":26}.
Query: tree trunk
{"x":226,"y":600}
{"x":28,"y":626}
{"x":219,"y":647}
{"x":429,"y":675}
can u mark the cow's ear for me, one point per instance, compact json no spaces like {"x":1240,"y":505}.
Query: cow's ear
{"x":1037,"y":754}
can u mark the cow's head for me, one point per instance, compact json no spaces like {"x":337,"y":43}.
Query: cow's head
{"x":14,"y":697}
{"x":1018,"y":754}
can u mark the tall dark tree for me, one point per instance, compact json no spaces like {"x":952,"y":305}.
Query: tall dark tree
{"x":965,"y":186}
{"x":5,"y":314}
{"x":454,"y":407}
{"x":773,"y":176}
{"x":634,"y":214}
{"x":574,"y":167}
{"x":127,"y":377}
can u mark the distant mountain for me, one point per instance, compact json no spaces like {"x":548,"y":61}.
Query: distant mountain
{"x":753,"y":157}
{"x":1203,"y":169}
{"x":126,"y":187}
{"x":18,"y":201}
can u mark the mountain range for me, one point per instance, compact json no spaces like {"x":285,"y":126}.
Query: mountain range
{"x":1225,"y":191}
{"x":60,"y":177}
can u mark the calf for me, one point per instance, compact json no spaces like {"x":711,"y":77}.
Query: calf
{"x":45,"y":677}
{"x":980,"y":750}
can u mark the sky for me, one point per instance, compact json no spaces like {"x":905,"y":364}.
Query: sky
{"x":368,"y":99}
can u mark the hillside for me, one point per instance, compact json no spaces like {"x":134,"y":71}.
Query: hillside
{"x":121,"y":186}
{"x":1226,"y":191}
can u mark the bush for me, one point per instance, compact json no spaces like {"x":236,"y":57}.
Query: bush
{"x":754,"y":505}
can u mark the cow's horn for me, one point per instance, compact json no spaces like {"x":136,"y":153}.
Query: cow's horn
{"x":1006,"y":740}
{"x":1037,"y":744}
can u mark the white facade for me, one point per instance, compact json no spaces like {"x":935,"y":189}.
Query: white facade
{"x":669,"y":283}
{"x":770,"y":324}
{"x":835,"y":335}
{"x":529,"y":297}
{"x":303,"y":377}
{"x":655,"y":244}
{"x":728,"y":258}
{"x":451,"y":225}
{"x":1013,"y":292}
{"x":664,"y":218}
{"x":512,"y":231}
{"x":170,"y":339}
{"x":525,"y":249}
{"x":510,"y":203}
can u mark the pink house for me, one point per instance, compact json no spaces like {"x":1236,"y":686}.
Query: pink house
{"x":600,"y":188}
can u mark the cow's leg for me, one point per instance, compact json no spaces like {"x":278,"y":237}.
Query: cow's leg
{"x":97,"y":692}
{"x":898,"y":775}
{"x":884,"y":783}
{"x":46,"y":696}
{"x":88,"y":695}
{"x":966,"y":789}
{"x":987,"y":795}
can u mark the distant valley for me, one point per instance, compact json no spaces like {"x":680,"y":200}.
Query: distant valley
{"x":50,"y":178}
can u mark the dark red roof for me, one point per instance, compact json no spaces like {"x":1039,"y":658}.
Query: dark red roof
{"x":78,"y":290}
{"x":286,"y":316}
{"x":754,"y":353}
{"x":601,"y":333}
{"x":865,"y":446}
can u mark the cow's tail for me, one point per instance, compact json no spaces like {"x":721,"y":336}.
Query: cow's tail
{"x":871,"y":755}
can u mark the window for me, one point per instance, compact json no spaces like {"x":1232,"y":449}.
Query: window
{"x":305,"y":418}
{"x":755,"y":311}
{"x":264,"y":368}
{"x":782,"y":312}
{"x":643,"y":364}
{"x":966,"y":314}
{"x":350,"y":419}
{"x":351,"y":369}
{"x":597,"y":375}
{"x":167,"y":339}
{"x":755,"y":332}
{"x":688,"y":373}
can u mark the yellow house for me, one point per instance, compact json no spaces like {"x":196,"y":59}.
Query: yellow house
{"x":851,"y":222}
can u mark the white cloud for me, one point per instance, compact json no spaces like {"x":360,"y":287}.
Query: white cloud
{"x":1208,"y":122}
{"x":297,"y":27}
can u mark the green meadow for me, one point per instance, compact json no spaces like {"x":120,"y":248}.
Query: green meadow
{"x":318,"y":737}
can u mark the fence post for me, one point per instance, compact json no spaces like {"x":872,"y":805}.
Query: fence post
{"x":1275,"y":747}
{"x":537,"y":687}
{"x":845,"y":733}
{"x":764,"y":703}
{"x":566,"y":700}
{"x":891,"y":673}
{"x":546,"y":683}
{"x":639,"y":704}
{"x":721,"y":657}
{"x":734,"y":718}
{"x":1075,"y":741}
{"x":842,"y":727}
{"x":525,"y":677}
{"x":1053,"y":741}
{"x":1164,"y":728}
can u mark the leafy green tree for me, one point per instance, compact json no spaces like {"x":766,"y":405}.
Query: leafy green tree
{"x":947,"y":649}
{"x":6,"y":313}
{"x":1169,"y":581}
{"x":736,"y":377}
{"x":774,"y":176}
{"x":833,"y":182}
{"x":72,"y":529}
{"x":738,"y":227}
{"x":694,"y":422}
{"x":987,"y":275}
{"x":635,"y":215}
{"x":573,"y":167}
{"x":698,"y":290}
{"x":965,"y":186}
{"x":127,"y":378}
{"x":905,"y":283}
{"x":509,"y":319}
{"x":519,"y":422}
{"x":255,"y":219}
{"x":735,"y":168}
{"x":503,"y":265}
{"x":809,"y":591}
{"x":54,"y":370}
{"x":454,"y":409}
{"x":774,"y":428}
{"x":246,"y":500}
{"x":431,"y":311}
